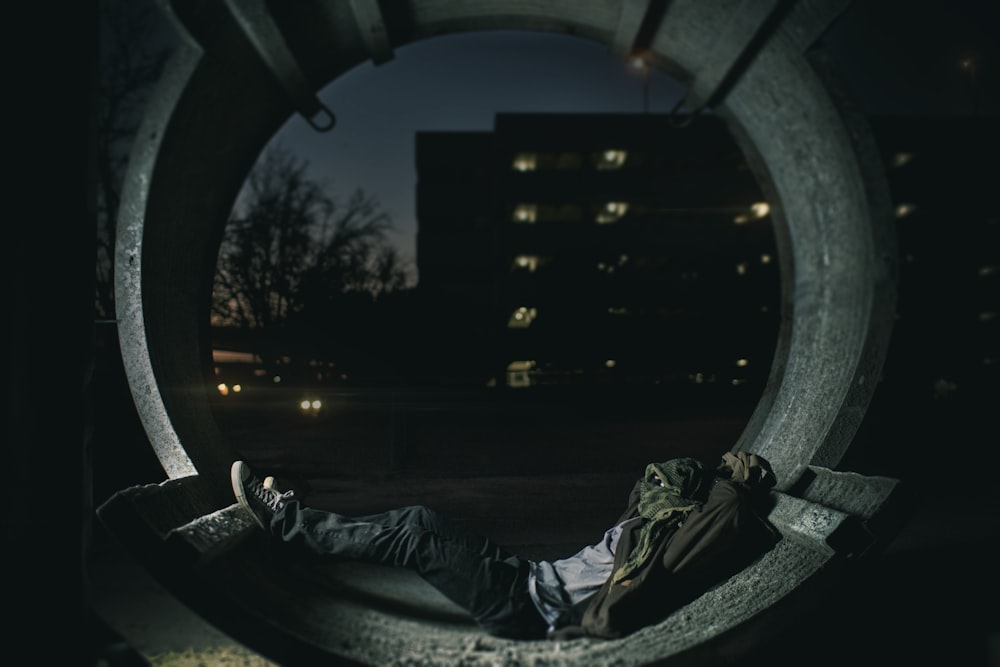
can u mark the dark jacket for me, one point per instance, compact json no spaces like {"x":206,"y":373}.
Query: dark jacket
{"x":712,"y":543}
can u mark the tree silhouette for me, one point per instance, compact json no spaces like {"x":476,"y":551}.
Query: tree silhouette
{"x":292,"y":255}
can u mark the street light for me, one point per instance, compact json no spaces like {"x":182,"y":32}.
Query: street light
{"x":639,"y":63}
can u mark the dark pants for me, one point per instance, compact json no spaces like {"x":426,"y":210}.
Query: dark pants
{"x":471,"y":571}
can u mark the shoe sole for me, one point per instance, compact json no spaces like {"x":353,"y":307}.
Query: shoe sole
{"x":236,"y":478}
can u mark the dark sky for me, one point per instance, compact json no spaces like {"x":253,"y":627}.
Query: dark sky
{"x":898,"y":56}
{"x":458,"y":82}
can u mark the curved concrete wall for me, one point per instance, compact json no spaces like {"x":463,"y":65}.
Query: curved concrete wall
{"x":218,"y":105}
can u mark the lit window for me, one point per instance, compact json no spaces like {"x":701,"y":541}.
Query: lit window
{"x":522,"y":318}
{"x":904,"y":210}
{"x":519,"y":373}
{"x":901,"y":158}
{"x":613,"y":211}
{"x":697,"y":378}
{"x":525,"y":161}
{"x":526,"y":263}
{"x":526,"y":213}
{"x":741,"y":268}
{"x":610,"y":159}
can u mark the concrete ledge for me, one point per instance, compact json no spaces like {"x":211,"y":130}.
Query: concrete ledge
{"x":296,"y":609}
{"x":216,"y":107}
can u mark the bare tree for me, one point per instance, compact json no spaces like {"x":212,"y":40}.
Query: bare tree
{"x":290,"y":250}
{"x":134,"y":47}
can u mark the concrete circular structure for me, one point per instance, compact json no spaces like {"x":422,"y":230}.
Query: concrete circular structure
{"x":221,"y":99}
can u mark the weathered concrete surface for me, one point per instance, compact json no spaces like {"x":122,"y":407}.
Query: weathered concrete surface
{"x":294,"y":610}
{"x":218,"y":105}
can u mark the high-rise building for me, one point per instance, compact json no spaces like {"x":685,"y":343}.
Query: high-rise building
{"x":620,"y":250}
{"x":943,"y":175}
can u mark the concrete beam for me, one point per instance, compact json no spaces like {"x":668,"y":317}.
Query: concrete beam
{"x":217,"y":106}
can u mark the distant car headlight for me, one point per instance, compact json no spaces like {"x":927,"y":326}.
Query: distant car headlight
{"x":310,"y":406}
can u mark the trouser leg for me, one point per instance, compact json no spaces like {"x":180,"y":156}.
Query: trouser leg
{"x":470,"y":570}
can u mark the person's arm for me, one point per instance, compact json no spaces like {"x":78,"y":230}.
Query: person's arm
{"x":713,"y":543}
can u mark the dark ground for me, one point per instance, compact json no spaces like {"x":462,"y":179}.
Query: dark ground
{"x":928,"y":598}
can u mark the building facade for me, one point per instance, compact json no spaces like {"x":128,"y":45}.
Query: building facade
{"x":620,"y":251}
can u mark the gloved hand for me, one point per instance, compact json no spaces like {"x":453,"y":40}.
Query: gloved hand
{"x":749,"y":469}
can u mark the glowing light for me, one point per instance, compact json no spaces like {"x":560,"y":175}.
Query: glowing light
{"x":223,"y":389}
{"x":276,"y":379}
{"x":901,"y":158}
{"x":987,"y":270}
{"x":316,"y":405}
{"x":610,"y":159}
{"x":527,"y":262}
{"x":741,"y":268}
{"x":610,"y":363}
{"x":760,"y":209}
{"x":904,"y":210}
{"x":741,"y":219}
{"x":519,"y":373}
{"x":613,"y":211}
{"x":304,"y":405}
{"x":234,"y":357}
{"x":237,"y":388}
{"x":765,"y":259}
{"x":526,"y":213}
{"x":522,"y":317}
{"x":525,"y":162}
{"x":742,"y":363}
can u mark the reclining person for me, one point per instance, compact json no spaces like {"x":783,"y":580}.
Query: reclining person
{"x":686,"y":528}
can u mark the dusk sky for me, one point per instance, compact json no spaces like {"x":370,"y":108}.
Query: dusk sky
{"x":905,"y":58}
{"x":898,"y":57}
{"x":457,"y":82}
